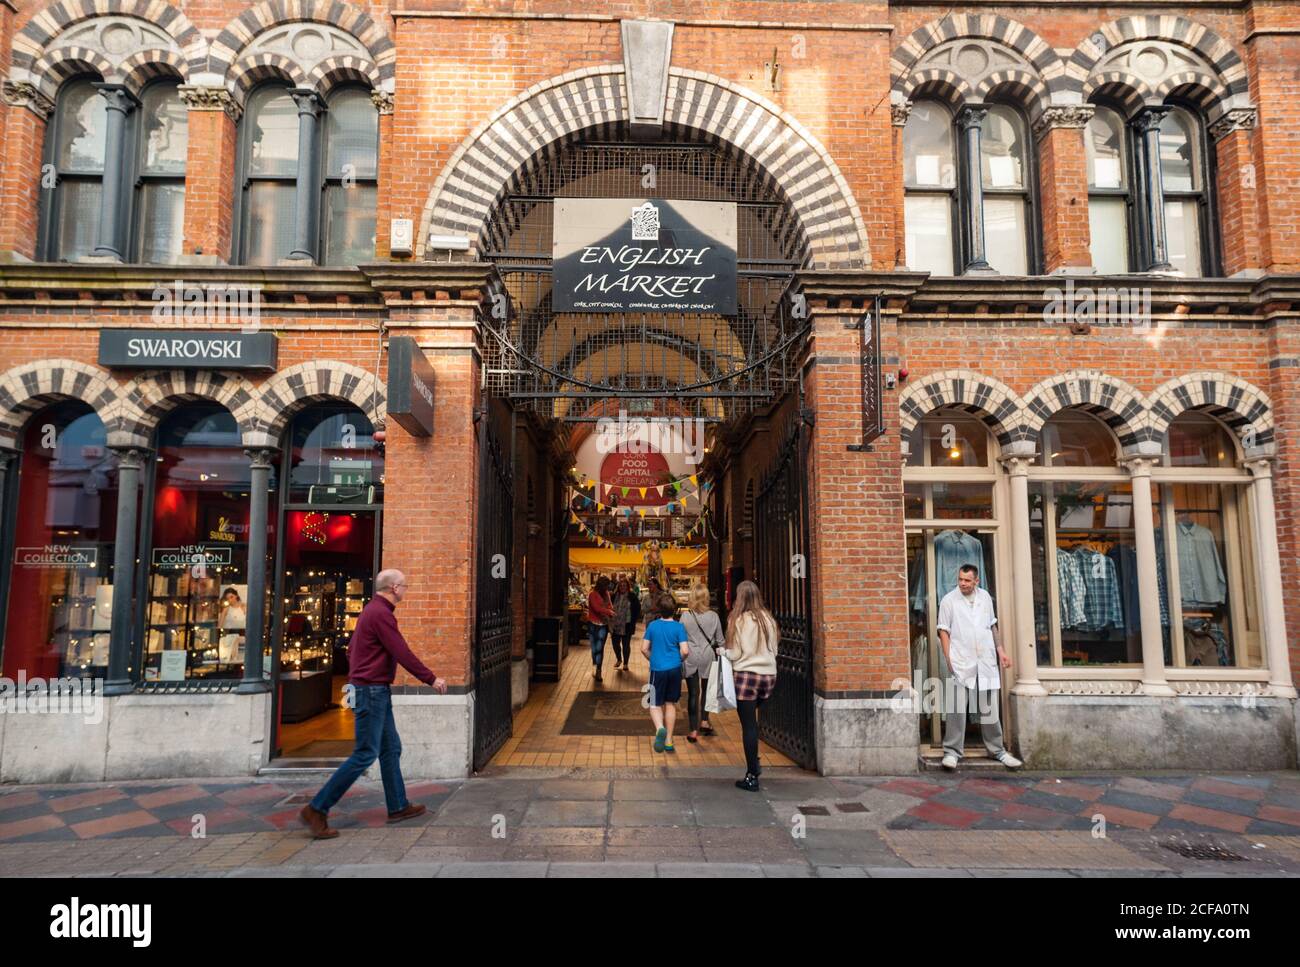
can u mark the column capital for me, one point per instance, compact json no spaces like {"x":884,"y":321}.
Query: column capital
{"x":199,"y":98}
{"x":1139,"y":465}
{"x":1074,"y":116}
{"x":308,"y":101}
{"x":1017,"y":464}
{"x":118,"y":97}
{"x":899,"y":113}
{"x":383,"y":101}
{"x":261,"y":458}
{"x":972,"y":116}
{"x":131,"y":458}
{"x":1237,"y":119}
{"x":1150,"y":117}
{"x":1260,"y":467}
{"x":24,"y":94}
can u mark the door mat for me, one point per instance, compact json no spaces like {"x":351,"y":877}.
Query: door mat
{"x":615,"y":713}
{"x":322,"y":748}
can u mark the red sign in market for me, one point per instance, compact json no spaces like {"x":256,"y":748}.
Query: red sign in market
{"x":634,"y":471}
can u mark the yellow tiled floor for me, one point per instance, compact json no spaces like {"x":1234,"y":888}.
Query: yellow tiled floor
{"x":537,"y":740}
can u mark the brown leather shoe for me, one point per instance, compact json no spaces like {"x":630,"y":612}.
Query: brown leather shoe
{"x":410,"y":812}
{"x":316,"y":821}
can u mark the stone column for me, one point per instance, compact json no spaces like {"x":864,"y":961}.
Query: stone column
{"x":1147,"y":124}
{"x":1063,"y":180}
{"x":121,"y":642}
{"x":261,"y":460}
{"x":1016,"y":461}
{"x":971,"y":124}
{"x":120,"y":103}
{"x":1272,"y":616}
{"x":1154,"y":681}
{"x":308,"y":193}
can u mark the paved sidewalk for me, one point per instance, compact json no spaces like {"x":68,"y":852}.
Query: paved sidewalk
{"x":532,"y":822}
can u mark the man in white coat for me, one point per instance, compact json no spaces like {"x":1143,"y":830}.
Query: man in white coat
{"x":968,"y":631}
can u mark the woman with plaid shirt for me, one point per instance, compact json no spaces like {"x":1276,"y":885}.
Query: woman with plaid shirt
{"x":752,"y":639}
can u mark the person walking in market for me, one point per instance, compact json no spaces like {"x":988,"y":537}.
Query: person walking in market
{"x":666,"y":646}
{"x":600,"y":612}
{"x":374,"y":652}
{"x":752,"y":640}
{"x":972,"y":645}
{"x":627,"y":611}
{"x":704,"y":629}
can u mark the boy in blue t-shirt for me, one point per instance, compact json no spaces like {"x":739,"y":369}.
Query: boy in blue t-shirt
{"x":665,"y":645}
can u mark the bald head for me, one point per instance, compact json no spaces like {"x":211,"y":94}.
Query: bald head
{"x":391,"y":583}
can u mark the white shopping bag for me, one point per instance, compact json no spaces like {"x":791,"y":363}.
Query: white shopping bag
{"x":722,"y":686}
{"x":711,"y":690}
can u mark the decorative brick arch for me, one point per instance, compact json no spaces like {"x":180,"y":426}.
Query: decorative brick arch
{"x":252,"y":69}
{"x":1111,"y":400}
{"x":1232,"y":400}
{"x":990,"y":400}
{"x":1223,"y":86}
{"x":556,"y":110}
{"x":297,"y":387}
{"x":148,"y":398}
{"x":378,"y":65}
{"x":25,"y":389}
{"x":37,"y":53}
{"x":1032,"y":70}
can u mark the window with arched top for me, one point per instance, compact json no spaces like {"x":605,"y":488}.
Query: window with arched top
{"x":1107,"y":146}
{"x":351,"y":178}
{"x":270,"y":148}
{"x":930,"y":182}
{"x":145,"y":199}
{"x":1004,"y":155}
{"x":1182,"y":177}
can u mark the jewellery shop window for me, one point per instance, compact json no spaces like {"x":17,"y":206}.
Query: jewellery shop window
{"x":1083,"y":551}
{"x":61,"y":588}
{"x":334,"y":458}
{"x":1204,"y":538}
{"x":196,"y":594}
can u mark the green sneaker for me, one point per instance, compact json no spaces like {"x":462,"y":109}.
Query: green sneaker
{"x":660,"y":738}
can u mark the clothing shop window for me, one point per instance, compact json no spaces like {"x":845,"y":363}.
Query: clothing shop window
{"x":270,"y":175}
{"x":930,"y":181}
{"x":160,"y":184}
{"x":351,"y":177}
{"x":1182,"y":177}
{"x":196,"y":590}
{"x":75,"y":148}
{"x":1109,"y":200}
{"x":61,"y":581}
{"x":1083,"y":547}
{"x":1205,"y":538}
{"x":1004,"y":172}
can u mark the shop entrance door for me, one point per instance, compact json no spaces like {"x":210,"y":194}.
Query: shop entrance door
{"x":935,"y":554}
{"x":326,"y":578}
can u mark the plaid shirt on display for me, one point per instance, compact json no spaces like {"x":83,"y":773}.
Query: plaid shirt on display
{"x":1069,"y":578}
{"x":1101,"y":604}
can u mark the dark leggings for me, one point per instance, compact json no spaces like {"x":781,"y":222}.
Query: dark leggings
{"x":748,"y":712}
{"x":623,"y":646}
{"x":695,"y":689}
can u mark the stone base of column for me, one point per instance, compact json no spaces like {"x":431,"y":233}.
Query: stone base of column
{"x":518,"y":682}
{"x":437,"y":734}
{"x":100,"y":260}
{"x":1144,"y":732}
{"x":865,"y":736}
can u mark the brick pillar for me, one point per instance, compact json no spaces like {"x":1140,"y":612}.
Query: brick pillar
{"x":1275,"y":87}
{"x":899,"y":114}
{"x":1239,"y":191}
{"x":1284,"y":391}
{"x":384,"y":211}
{"x":1063,"y":187}
{"x":210,"y":174}
{"x":26,"y":112}
{"x":859,"y":560}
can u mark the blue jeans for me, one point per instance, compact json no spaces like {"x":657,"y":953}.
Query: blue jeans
{"x":376,"y":739}
{"x":598,"y":635}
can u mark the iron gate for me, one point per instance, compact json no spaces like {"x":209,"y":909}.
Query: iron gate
{"x":782,"y":564}
{"x":493,"y":619}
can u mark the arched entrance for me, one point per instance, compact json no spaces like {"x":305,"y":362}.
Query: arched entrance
{"x":552,"y":373}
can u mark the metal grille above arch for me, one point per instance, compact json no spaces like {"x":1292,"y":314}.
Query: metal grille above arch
{"x":715,"y":367}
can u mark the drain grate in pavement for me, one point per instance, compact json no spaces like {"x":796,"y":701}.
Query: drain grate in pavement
{"x":1204,"y":851}
{"x":852,"y":807}
{"x":814,"y":810}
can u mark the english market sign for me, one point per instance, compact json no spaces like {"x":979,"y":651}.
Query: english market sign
{"x":186,"y":349}
{"x":639,"y":255}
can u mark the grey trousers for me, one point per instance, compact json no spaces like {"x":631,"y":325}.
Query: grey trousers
{"x":954,"y":722}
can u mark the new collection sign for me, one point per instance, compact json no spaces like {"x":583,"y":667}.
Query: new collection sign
{"x":186,"y":349}
{"x":638,"y":255}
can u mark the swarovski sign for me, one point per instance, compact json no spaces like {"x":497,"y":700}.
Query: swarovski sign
{"x":638,"y":255}
{"x":187,"y":349}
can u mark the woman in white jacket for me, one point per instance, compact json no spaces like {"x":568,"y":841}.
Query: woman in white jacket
{"x":752,"y":639}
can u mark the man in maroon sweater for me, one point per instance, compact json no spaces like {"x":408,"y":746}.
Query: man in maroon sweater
{"x":374,"y":653}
